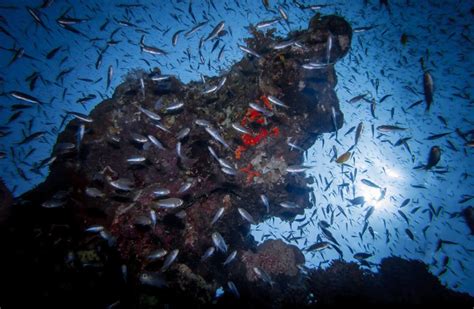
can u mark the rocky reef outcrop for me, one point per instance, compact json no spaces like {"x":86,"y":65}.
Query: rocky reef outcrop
{"x":125,"y":215}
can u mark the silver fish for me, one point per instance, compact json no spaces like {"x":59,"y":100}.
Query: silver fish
{"x":221,"y":83}
{"x":314,"y":66}
{"x":230,"y":258}
{"x":267,"y":23}
{"x":202,"y":123}
{"x":293,"y":145}
{"x":321,"y":245}
{"x":178,"y":151}
{"x":153,"y":279}
{"x":249,"y":51}
{"x":174,"y":106}
{"x":195,"y":29}
{"x":106,"y":235}
{"x":24,"y":97}
{"x":282,"y":13}
{"x":185,"y":187}
{"x":142,"y":87}
{"x":233,"y":289}
{"x":289,"y":205}
{"x":277,"y":101}
{"x":124,"y":271}
{"x":297,"y":168}
{"x":160,"y":192}
{"x":138,"y":138}
{"x":156,"y":142}
{"x":183,"y":133}
{"x":174,"y":39}
{"x":209,"y":252}
{"x":181,"y":214}
{"x":210,"y":89}
{"x":226,"y":164}
{"x":221,"y":53}
{"x":94,"y":192}
{"x":402,"y":214}
{"x":123,"y":184}
{"x":370,"y":211}
{"x":265,"y":202}
{"x":136,"y":160}
{"x":213,"y":153}
{"x":362,"y":256}
{"x":405,"y":202}
{"x":81,"y":117}
{"x":215,"y":32}
{"x":170,"y":258}
{"x":80,"y":135}
{"x":95,"y":228}
{"x":334,"y":119}
{"x":428,"y":89}
{"x":263,"y":275}
{"x":53,"y":203}
{"x":329,"y":236}
{"x":153,"y":218}
{"x":159,"y":78}
{"x":229,"y":171}
{"x":149,"y":113}
{"x":143,"y":221}
{"x":261,"y":109}
{"x":284,"y":44}
{"x":248,"y":217}
{"x":390,"y":128}
{"x":62,"y":148}
{"x":218,"y":214}
{"x":370,"y":183}
{"x":110,"y":73}
{"x":160,"y":126}
{"x":219,"y":242}
{"x":157,"y":254}
{"x":358,"y":133}
{"x":236,"y":126}
{"x":215,"y":134}
{"x":150,"y":49}
{"x":329,"y":47}
{"x":172,"y":202}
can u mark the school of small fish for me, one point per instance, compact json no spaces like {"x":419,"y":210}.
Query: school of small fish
{"x":397,"y":170}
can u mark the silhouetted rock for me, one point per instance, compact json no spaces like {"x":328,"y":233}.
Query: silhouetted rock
{"x":468,"y":214}
{"x":398,"y":282}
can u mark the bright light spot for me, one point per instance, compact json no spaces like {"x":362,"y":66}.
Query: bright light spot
{"x":371,"y":195}
{"x":392,"y":173}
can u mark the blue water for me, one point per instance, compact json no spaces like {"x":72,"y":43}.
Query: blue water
{"x":438,"y":31}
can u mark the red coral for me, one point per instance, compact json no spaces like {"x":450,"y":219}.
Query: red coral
{"x":238,"y":152}
{"x":251,"y":173}
{"x":253,"y":116}
{"x":275,"y":131}
{"x":266,"y":102}
{"x":250,"y":140}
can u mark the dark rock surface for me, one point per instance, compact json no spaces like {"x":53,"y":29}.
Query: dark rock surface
{"x":6,"y":201}
{"x":398,"y":282}
{"x":45,"y":239}
{"x":468,"y":214}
